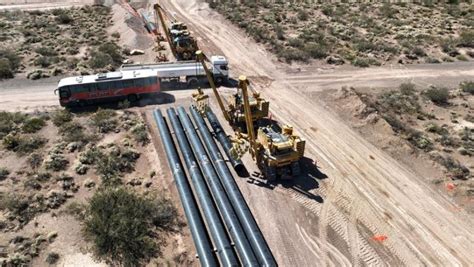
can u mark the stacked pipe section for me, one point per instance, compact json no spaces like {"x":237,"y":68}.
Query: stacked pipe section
{"x":195,"y":222}
{"x":259,"y":245}
{"x":244,"y":249}
{"x":218,"y":234}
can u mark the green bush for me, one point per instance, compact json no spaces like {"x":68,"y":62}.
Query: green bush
{"x":407,"y":88}
{"x":113,"y":51}
{"x":6,"y":70}
{"x":140,"y":134}
{"x":315,"y":50}
{"x":9,"y":63}
{"x":467,"y":87}
{"x":4,"y":173}
{"x":32,"y":125}
{"x":112,"y":166}
{"x":365,"y":62}
{"x":21,"y":144}
{"x":52,"y":258}
{"x":73,"y":132}
{"x":100,"y":60}
{"x":59,"y":117}
{"x":35,"y":160}
{"x":43,"y":62}
{"x":438,"y":95}
{"x":466,"y":38}
{"x":64,"y":18}
{"x":46,"y":51}
{"x":303,"y":14}
{"x":104,"y":120}
{"x":134,"y":219}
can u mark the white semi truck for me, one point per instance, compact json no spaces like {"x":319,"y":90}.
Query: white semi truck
{"x":190,"y":72}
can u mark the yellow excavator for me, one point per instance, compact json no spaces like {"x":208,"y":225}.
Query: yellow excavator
{"x":182,"y":44}
{"x":276,"y":150}
{"x":233,"y":109}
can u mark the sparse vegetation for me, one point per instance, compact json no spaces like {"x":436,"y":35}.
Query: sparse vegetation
{"x":50,"y":40}
{"x":23,"y":144}
{"x":134,"y":219}
{"x":104,"y":120}
{"x":3,"y":173}
{"x":438,"y":95}
{"x":32,"y":125}
{"x":362,"y":34}
{"x":61,"y":116}
{"x":467,"y":87}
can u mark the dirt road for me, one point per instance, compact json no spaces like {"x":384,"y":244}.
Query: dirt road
{"x":367,"y":193}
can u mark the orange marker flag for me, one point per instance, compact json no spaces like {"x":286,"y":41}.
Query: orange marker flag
{"x":379,"y":238}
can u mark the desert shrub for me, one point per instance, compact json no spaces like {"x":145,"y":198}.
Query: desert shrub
{"x":303,"y":14}
{"x":52,"y":258}
{"x":280,"y":33}
{"x":4,"y":173}
{"x":113,"y":51}
{"x":315,"y":50}
{"x":292,"y":54}
{"x":295,"y":42}
{"x":387,"y":10}
{"x":466,"y":38}
{"x":20,"y":206}
{"x":453,"y":166}
{"x":6,"y":70}
{"x":435,"y":128}
{"x":397,"y":102}
{"x":9,"y":63}
{"x":35,"y":160}
{"x":133,"y":217}
{"x":467,"y":87}
{"x":9,"y":121}
{"x":59,"y":117}
{"x":419,"y":51}
{"x":91,"y":156}
{"x":32,"y":125}
{"x":46,"y":51}
{"x":104,"y":120}
{"x":140,"y":134}
{"x":462,"y":58}
{"x":395,"y":123}
{"x":73,"y":132}
{"x":432,"y":60}
{"x":365,"y":62}
{"x":112,"y":166}
{"x":64,"y":18}
{"x":115,"y":35}
{"x":100,"y":60}
{"x":407,"y":88}
{"x":43,"y":62}
{"x":21,"y":144}
{"x":437,"y":95}
{"x":419,"y":140}
{"x":56,"y":162}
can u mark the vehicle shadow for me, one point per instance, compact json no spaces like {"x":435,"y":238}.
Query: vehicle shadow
{"x":152,"y":99}
{"x":302,"y":184}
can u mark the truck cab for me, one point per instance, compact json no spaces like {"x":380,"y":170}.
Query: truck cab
{"x":220,"y":68}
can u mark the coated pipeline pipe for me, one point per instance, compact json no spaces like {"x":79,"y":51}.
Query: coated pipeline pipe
{"x":224,"y":140}
{"x":261,"y":249}
{"x":195,"y":222}
{"x":244,"y":249}
{"x":217,"y":231}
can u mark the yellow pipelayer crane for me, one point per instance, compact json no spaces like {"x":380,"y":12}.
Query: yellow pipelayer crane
{"x":277,"y":153}
{"x":182,"y":44}
{"x":233,"y":110}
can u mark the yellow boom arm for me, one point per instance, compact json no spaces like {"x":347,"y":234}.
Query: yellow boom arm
{"x":201,"y":58}
{"x":158,"y":13}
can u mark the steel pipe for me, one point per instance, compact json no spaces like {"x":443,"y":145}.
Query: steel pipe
{"x":224,"y":140}
{"x":195,"y":222}
{"x":260,"y":246}
{"x":217,"y":231}
{"x":242,"y":245}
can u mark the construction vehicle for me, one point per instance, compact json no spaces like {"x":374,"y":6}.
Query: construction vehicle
{"x":170,"y":74}
{"x":234,"y":108}
{"x":276,"y":150}
{"x":182,"y":44}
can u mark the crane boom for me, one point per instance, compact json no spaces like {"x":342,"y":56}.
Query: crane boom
{"x":248,"y":114}
{"x":201,"y":58}
{"x":157,"y":8}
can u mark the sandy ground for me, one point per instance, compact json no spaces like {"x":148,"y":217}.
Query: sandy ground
{"x":330,"y":221}
{"x":41,"y":4}
{"x":367,"y":192}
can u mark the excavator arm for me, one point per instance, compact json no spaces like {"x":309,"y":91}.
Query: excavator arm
{"x":159,"y":14}
{"x":202,"y":59}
